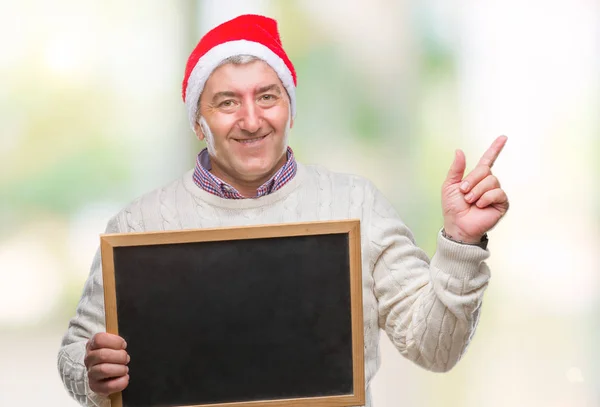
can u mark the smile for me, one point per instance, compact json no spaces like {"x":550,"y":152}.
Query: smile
{"x":251,"y":140}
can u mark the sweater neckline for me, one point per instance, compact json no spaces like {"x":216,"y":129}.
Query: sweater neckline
{"x":248,"y":203}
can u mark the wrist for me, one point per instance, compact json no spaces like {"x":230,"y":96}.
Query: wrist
{"x":456,"y":234}
{"x":482,"y":241}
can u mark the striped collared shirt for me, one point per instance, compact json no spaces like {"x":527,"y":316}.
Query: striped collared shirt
{"x":208,"y":182}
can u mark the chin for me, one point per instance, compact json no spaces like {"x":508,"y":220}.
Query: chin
{"x":255,"y":171}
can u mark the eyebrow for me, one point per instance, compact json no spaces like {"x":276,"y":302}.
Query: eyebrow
{"x":229,"y":94}
{"x":226,"y":94}
{"x":274,"y":87}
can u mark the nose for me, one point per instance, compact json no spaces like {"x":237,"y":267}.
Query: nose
{"x":250,"y":118}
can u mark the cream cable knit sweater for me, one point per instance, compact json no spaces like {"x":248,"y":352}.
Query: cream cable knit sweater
{"x":429,"y":309}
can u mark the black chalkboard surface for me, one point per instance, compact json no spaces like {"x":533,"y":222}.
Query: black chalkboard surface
{"x":238,"y":316}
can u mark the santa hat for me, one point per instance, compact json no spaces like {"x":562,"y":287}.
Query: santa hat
{"x":244,"y":35}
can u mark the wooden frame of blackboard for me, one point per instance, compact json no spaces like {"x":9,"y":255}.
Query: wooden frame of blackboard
{"x":349,"y":227}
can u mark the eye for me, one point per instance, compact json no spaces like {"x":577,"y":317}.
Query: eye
{"x":226,"y":103}
{"x":268,"y":98}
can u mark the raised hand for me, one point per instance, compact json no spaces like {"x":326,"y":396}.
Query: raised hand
{"x":473,"y":205}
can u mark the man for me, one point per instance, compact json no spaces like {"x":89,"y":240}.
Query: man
{"x":239,"y":90}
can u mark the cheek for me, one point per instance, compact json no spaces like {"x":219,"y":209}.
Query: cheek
{"x":279,"y":120}
{"x":221,"y":128}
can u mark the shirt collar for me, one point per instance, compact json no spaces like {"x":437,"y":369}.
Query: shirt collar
{"x":205,"y":180}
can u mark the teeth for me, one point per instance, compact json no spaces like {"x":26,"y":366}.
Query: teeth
{"x":254,"y":140}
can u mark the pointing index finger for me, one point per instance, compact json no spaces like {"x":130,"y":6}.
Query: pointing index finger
{"x":492,"y":153}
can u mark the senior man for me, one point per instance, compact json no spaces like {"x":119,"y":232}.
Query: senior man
{"x":239,"y":91}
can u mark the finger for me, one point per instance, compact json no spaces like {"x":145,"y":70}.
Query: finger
{"x":110,"y":386}
{"x":105,"y":355}
{"x":457,"y":169}
{"x":474,"y":178}
{"x":106,"y":340}
{"x":107,"y":371}
{"x":489,"y":157}
{"x":488,"y":183}
{"x":496,"y":197}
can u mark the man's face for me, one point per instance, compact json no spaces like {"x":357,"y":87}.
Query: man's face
{"x":246,"y":109}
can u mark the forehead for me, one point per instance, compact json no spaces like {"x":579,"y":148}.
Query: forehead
{"x":241,"y":77}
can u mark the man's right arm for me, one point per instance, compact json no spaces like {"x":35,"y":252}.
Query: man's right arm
{"x":88,"y":321}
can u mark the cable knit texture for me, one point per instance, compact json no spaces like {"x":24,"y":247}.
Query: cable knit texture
{"x":428,"y":308}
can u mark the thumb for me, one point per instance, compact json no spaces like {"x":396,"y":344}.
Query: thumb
{"x":457,"y":169}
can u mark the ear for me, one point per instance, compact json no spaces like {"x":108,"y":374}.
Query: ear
{"x":199,"y":132}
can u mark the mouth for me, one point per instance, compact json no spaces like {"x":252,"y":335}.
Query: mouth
{"x":251,"y":141}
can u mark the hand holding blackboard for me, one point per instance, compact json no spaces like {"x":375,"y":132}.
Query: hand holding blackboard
{"x":106,"y":362}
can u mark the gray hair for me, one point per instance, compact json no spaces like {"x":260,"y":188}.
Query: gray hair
{"x":236,"y":60}
{"x":239,"y":60}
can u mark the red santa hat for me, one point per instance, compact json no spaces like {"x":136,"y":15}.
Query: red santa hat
{"x":244,"y":35}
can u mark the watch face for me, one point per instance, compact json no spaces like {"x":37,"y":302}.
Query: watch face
{"x":484,"y":241}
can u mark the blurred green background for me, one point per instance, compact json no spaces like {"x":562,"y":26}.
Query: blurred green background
{"x":91,"y":117}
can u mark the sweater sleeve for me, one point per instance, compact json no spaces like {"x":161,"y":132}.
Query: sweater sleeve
{"x":88,"y":320}
{"x":428,"y":309}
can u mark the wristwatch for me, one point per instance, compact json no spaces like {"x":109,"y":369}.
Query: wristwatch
{"x":482,"y":243}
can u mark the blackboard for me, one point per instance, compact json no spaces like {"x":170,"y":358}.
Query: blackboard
{"x":236,"y":316}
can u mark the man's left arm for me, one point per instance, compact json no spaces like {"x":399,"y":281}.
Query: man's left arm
{"x":430,"y":309}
